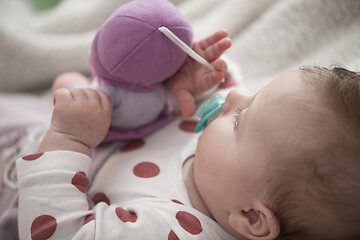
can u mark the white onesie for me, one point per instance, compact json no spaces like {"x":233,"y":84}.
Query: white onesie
{"x":138,"y":194}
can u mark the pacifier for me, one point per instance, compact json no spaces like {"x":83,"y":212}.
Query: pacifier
{"x":209,"y":111}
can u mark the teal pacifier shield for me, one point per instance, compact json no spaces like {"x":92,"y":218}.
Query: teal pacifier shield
{"x":208,"y":109}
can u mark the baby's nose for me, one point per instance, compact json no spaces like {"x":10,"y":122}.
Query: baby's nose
{"x":236,"y":99}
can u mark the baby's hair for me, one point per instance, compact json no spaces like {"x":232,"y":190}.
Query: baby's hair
{"x":316,"y":192}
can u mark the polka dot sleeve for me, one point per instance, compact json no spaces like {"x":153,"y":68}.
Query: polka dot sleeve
{"x":52,"y":194}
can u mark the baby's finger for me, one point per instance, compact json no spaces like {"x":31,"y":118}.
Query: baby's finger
{"x":212,"y":39}
{"x":62,"y":95}
{"x":215,"y":77}
{"x":220,"y":65}
{"x":221,"y":70}
{"x":213,"y":52}
{"x":78,"y":94}
{"x":91,"y":95}
{"x":105,"y":101}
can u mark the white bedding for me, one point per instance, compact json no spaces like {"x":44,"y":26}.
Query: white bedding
{"x":269,"y":36}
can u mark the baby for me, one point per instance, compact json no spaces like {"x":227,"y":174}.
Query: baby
{"x":282,"y":164}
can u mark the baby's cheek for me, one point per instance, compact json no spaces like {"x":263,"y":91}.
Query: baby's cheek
{"x":199,"y":173}
{"x":203,"y":163}
{"x":203,"y":150}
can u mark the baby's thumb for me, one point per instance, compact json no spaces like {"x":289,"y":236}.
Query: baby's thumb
{"x":61,"y":94}
{"x":186,"y":102}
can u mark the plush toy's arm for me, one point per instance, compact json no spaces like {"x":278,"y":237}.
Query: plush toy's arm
{"x":134,"y":109}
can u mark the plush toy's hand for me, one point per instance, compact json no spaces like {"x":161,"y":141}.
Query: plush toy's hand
{"x":193,"y":78}
{"x":80,"y":121}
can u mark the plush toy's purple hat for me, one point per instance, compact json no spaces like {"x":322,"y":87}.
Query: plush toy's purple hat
{"x":131,"y":52}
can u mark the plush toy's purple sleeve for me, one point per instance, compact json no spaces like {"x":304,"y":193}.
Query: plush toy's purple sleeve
{"x":125,"y":134}
{"x":136,"y":114}
{"x":131,"y":52}
{"x":161,"y":119}
{"x":134,"y":109}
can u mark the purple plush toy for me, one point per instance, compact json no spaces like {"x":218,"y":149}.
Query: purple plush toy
{"x":131,"y":58}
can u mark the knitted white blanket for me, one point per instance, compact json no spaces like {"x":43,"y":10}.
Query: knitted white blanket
{"x":269,"y":36}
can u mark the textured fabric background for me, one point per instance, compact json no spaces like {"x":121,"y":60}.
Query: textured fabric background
{"x":269,"y":36}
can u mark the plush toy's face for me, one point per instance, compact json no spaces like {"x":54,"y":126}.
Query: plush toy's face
{"x":131,"y":52}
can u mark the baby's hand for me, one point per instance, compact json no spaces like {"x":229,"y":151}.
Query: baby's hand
{"x":193,"y":79}
{"x":80,"y":121}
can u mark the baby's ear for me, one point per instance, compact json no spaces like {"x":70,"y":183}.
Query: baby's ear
{"x":258,"y":223}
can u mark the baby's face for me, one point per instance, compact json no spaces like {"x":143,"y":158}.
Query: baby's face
{"x":234,"y":149}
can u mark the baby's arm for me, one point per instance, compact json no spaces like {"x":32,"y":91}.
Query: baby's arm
{"x":80,"y":121}
{"x":52,"y":183}
{"x":193,"y":79}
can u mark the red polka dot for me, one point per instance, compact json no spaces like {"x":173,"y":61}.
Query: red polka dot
{"x":125,"y":216}
{"x":43,"y":227}
{"x":133,"y":145}
{"x":32,"y":156}
{"x":172,"y":236}
{"x":177,"y":201}
{"x":188,"y":126}
{"x":80,"y":181}
{"x":89,"y":218}
{"x":189,"y":222}
{"x":146,"y":170}
{"x":101,"y":197}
